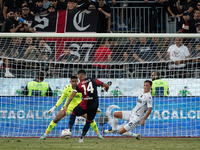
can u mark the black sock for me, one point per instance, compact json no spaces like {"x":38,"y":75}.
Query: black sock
{"x":85,"y":129}
{"x":71,"y":121}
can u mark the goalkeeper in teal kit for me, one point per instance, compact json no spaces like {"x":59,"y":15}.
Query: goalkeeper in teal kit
{"x":76,"y":100}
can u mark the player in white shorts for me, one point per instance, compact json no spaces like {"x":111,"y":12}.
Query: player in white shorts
{"x":137,"y":116}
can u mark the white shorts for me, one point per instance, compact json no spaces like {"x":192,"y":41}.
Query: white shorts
{"x":134,"y":120}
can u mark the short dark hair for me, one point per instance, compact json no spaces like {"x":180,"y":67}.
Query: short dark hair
{"x":9,"y":10}
{"x":150,"y":82}
{"x":70,"y":1}
{"x":39,"y":0}
{"x":74,"y":77}
{"x":157,"y":73}
{"x":41,"y":40}
{"x":82,"y":72}
{"x":40,"y":75}
{"x":93,"y":3}
{"x":112,"y":39}
{"x":67,"y":46}
{"x":101,"y":41}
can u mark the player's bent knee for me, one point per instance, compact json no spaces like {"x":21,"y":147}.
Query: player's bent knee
{"x":122,"y":130}
{"x":117,"y":114}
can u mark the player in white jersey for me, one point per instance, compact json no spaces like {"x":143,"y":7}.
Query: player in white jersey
{"x":138,"y":114}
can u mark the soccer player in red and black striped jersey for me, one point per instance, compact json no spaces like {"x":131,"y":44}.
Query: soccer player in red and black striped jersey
{"x":89,"y":105}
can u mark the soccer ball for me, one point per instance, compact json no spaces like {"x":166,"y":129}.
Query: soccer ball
{"x":66,"y":134}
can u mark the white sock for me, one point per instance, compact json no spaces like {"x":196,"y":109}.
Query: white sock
{"x":7,"y":69}
{"x":115,"y":122}
{"x":1,"y":62}
{"x":129,"y":134}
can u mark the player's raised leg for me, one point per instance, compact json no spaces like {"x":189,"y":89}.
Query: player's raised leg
{"x":59,"y":116}
{"x":116,"y":116}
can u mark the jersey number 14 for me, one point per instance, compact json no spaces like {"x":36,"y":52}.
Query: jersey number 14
{"x":89,"y":88}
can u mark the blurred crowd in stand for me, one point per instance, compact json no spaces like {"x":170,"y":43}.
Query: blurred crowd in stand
{"x":13,"y":13}
{"x":114,"y":54}
{"x":36,"y":53}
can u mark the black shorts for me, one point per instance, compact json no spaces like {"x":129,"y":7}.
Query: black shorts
{"x":79,"y":111}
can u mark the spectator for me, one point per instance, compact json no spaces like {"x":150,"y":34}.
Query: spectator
{"x":70,"y":4}
{"x":43,"y":47}
{"x":38,"y":9}
{"x":198,"y":27}
{"x":193,"y":6}
{"x":177,"y":53}
{"x":43,"y":65}
{"x":196,"y":16}
{"x":38,"y":87}
{"x":30,"y":3}
{"x":145,"y":50}
{"x":128,"y":55}
{"x":174,"y":7}
{"x":184,"y":92}
{"x":55,"y":2}
{"x":51,"y":8}
{"x":28,"y":42}
{"x":82,"y":4}
{"x":92,"y":6}
{"x":13,"y":52}
{"x":186,"y":5}
{"x":117,"y":56}
{"x":68,"y":60}
{"x":103,"y":24}
{"x":31,"y":53}
{"x":116,"y":49}
{"x":8,"y":24}
{"x":187,"y":25}
{"x":159,"y":45}
{"x":102,"y":54}
{"x":159,"y":87}
{"x":18,"y":13}
{"x":46,"y":4}
{"x":67,"y":56}
{"x":163,"y":47}
{"x":196,"y":55}
{"x":11,"y":4}
{"x":25,"y":12}
{"x":198,"y":5}
{"x":62,"y":4}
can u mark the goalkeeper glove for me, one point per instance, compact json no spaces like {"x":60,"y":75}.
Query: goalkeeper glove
{"x":99,"y":111}
{"x":52,"y":109}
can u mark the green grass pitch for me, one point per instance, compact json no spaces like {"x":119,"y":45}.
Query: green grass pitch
{"x":96,"y":144}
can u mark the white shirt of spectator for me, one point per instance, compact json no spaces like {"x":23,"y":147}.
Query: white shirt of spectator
{"x":178,"y":53}
{"x":144,"y":101}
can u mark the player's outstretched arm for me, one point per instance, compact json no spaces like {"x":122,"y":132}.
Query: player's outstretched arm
{"x":69,"y":100}
{"x":61,"y":99}
{"x":105,"y":86}
{"x":146,"y":116}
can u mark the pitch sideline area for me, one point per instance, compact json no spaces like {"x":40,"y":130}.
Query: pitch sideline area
{"x":96,"y":144}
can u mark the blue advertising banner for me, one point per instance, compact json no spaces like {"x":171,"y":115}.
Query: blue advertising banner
{"x":171,"y":117}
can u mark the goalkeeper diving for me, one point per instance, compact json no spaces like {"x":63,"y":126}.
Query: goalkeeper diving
{"x":76,"y":100}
